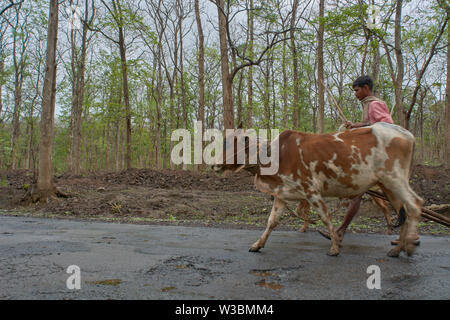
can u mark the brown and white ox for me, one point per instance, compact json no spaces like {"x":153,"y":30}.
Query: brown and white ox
{"x":345,"y":165}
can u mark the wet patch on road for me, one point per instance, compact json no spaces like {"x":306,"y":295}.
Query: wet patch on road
{"x":41,"y":248}
{"x":166,"y":289}
{"x":109,"y":282}
{"x":273,"y":277}
{"x":191,"y":271}
{"x":263,"y":273}
{"x":270,"y":285}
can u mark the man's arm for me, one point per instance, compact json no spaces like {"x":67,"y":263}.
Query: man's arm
{"x":352,"y":125}
{"x":364,"y":123}
{"x":379,"y":112}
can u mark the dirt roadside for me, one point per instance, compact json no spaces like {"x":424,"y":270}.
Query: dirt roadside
{"x":195,"y":198}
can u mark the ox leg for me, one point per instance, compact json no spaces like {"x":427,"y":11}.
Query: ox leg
{"x":395,"y":252}
{"x":352,"y":210}
{"x":413,"y":212}
{"x":383,"y":206}
{"x":318,"y":203}
{"x":277,"y":210}
{"x":303,"y":212}
{"x":397,"y":204}
{"x":402,"y":193}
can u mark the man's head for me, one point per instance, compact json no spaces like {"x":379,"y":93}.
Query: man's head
{"x":363,"y":87}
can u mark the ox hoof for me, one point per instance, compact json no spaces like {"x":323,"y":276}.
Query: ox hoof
{"x":394,"y":253}
{"x":410,"y":250}
{"x":333,"y":253}
{"x":396,"y":242}
{"x":410,"y":247}
{"x":254,"y":248}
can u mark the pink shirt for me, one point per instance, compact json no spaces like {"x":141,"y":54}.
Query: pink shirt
{"x":379,"y":112}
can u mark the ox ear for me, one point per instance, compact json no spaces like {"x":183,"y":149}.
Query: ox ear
{"x":240,"y":125}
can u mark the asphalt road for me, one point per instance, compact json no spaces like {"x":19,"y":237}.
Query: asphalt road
{"x":126,"y":261}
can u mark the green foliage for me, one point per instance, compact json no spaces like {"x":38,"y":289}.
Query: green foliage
{"x":3,"y":182}
{"x":103,"y":117}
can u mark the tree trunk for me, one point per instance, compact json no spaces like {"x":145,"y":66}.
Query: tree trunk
{"x":107,"y":143}
{"x":375,"y":63}
{"x":2,"y":70}
{"x":285,"y":99}
{"x":398,"y":84}
{"x":44,"y":182}
{"x":74,"y":92}
{"x":182,"y":86}
{"x":44,"y":188}
{"x":172,"y":124}
{"x":213,"y":114}
{"x":239,"y":92}
{"x":266,"y":95}
{"x":201,"y":66}
{"x":201,"y":70}
{"x":295,"y":102}
{"x":376,"y":68}
{"x":18,"y":82}
{"x":79,"y":100}
{"x":126,"y":97}
{"x":123,"y":153}
{"x":173,"y":92}
{"x":250,"y":68}
{"x":321,"y":91}
{"x":363,"y":60}
{"x":447,"y":106}
{"x":31,"y":131}
{"x":422,"y":138}
{"x":274,"y":95}
{"x":16,"y":115}
{"x":227,"y":81}
{"x":158,"y":111}
{"x":117,"y":135}
{"x":117,"y":147}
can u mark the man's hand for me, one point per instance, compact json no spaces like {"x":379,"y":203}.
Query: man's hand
{"x":348,"y":125}
{"x":352,"y":125}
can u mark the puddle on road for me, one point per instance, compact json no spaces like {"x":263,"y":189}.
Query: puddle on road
{"x":108,"y":282}
{"x":166,"y":289}
{"x":262,"y":273}
{"x":271,"y":285}
{"x":407,"y":278}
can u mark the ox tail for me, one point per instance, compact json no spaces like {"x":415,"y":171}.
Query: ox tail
{"x":401,"y":218}
{"x":402,"y":213}
{"x":411,"y":162}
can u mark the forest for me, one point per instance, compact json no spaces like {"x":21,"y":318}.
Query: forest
{"x":99,"y":85}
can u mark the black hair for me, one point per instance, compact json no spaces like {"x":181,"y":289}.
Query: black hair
{"x":362,"y":81}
